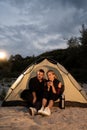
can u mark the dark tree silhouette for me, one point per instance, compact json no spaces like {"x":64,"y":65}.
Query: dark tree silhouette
{"x":73,"y":42}
{"x":83,"y":38}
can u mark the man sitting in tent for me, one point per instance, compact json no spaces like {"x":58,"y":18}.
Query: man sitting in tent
{"x":35,"y":93}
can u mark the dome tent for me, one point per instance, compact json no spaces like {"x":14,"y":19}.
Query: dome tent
{"x":73,"y":92}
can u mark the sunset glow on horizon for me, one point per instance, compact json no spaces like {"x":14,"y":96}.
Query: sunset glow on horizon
{"x":3,"y":55}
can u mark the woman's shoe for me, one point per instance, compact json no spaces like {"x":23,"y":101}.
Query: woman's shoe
{"x":46,"y":112}
{"x":41,"y":110}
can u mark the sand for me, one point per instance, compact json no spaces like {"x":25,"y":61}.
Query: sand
{"x":18,"y":118}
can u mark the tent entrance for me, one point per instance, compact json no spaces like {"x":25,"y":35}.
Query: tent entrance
{"x":45,"y":68}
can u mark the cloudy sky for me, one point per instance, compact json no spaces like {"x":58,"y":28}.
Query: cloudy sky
{"x":31,"y":27}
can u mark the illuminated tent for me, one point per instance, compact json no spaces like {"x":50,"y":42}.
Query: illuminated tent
{"x":73,"y":92}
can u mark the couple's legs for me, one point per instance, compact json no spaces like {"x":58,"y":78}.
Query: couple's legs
{"x":47,"y":103}
{"x":46,"y":106}
{"x":47,"y":100}
{"x":27,"y":96}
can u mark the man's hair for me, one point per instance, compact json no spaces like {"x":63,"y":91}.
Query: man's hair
{"x":41,"y":70}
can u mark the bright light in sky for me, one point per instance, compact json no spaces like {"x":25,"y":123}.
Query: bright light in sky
{"x":3,"y":55}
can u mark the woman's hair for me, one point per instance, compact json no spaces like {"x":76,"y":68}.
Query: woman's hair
{"x":51,"y":71}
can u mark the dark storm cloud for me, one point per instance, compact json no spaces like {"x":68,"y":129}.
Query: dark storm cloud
{"x":77,"y":3}
{"x":34,"y":26}
{"x":43,"y":4}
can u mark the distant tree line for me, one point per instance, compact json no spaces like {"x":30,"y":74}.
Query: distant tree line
{"x":73,"y":59}
{"x":79,"y":41}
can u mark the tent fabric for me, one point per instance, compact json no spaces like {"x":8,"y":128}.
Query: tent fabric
{"x":73,"y":91}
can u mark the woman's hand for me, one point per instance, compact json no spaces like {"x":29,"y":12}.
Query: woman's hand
{"x":48,"y":85}
{"x":51,"y":83}
{"x":59,"y":85}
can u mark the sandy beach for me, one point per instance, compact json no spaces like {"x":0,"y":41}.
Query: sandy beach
{"x":18,"y":118}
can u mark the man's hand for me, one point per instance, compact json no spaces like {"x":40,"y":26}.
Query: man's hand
{"x":34,"y":97}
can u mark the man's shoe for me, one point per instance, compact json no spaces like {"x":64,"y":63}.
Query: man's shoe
{"x":46,"y":112}
{"x":41,"y":110}
{"x":32,"y":111}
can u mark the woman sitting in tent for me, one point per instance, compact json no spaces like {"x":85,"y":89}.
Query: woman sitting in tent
{"x":53,"y":90}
